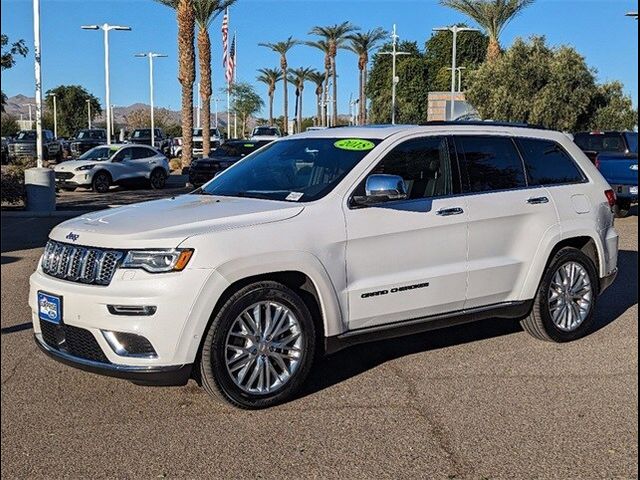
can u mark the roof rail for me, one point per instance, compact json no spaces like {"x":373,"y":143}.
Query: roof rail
{"x":482,"y":123}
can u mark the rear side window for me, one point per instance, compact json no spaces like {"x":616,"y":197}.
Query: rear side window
{"x":548,"y":164}
{"x":491,"y":163}
{"x":141,"y":152}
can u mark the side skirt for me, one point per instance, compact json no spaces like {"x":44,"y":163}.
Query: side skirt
{"x":509,"y":310}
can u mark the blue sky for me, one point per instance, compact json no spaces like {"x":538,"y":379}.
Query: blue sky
{"x":598,"y":29}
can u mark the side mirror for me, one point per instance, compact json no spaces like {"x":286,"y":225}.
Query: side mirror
{"x":383,"y":188}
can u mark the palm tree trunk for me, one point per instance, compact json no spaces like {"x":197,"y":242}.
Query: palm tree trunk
{"x":360,"y":95}
{"x":300,"y":110}
{"x":493,"y":50}
{"x":270,"y":108}
{"x":296,"y":109}
{"x":204,"y":55}
{"x":186,"y":73}
{"x":318,"y":108}
{"x":285,"y":95}
{"x":325,"y":93}
{"x":364,"y":95}
{"x":335,"y":91}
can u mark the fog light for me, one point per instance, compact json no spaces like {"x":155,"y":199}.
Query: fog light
{"x":132,"y":310}
{"x":129,"y":344}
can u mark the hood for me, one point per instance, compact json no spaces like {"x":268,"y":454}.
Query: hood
{"x":71,"y":165}
{"x":167,"y":222}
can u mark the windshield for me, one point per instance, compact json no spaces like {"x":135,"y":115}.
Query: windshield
{"x":143,"y":133}
{"x":600,"y":142}
{"x":265,"y":131}
{"x":300,"y":170}
{"x":632,"y":140}
{"x":98,"y":153}
{"x":28,"y":135}
{"x":93,"y":134}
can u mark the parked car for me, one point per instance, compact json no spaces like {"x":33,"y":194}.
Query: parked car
{"x":325,"y":240}
{"x":265,"y":133}
{"x":142,"y":136}
{"x":104,"y":166}
{"x":85,"y":140}
{"x":215,"y":138}
{"x":595,"y":143}
{"x":23,"y":146}
{"x":621,"y":171}
{"x":204,"y":169}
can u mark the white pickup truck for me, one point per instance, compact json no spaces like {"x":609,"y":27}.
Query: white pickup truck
{"x":324,"y":240}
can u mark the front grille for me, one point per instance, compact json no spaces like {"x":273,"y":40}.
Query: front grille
{"x":80,"y":264}
{"x":64,"y":175}
{"x":72,"y":340}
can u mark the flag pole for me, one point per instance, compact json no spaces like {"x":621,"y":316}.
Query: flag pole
{"x":235,"y":70}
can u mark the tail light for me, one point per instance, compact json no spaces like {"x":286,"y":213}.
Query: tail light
{"x":611,"y":198}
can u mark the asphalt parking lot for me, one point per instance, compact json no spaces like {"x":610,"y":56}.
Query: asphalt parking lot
{"x":480,"y":401}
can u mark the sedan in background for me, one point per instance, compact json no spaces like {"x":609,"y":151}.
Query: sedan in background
{"x":204,"y":169}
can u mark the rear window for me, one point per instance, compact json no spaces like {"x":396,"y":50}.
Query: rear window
{"x":632,"y":140}
{"x":600,"y":142}
{"x":548,"y":164}
{"x":491,"y":163}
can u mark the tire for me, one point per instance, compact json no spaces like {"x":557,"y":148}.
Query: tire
{"x":622,"y":209}
{"x":540,"y":322}
{"x":158,"y":179}
{"x":101,"y":182}
{"x":227,"y":336}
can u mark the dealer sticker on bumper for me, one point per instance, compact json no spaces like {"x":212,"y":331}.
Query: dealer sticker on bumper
{"x":49,"y":308}
{"x":633,"y":190}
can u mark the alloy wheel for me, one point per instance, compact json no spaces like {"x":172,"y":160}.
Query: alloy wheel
{"x":570,"y":296}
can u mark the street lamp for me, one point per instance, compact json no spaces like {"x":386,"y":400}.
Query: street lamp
{"x":455,"y":30}
{"x":215,"y":108}
{"x":89,"y":113}
{"x":106,"y":28}
{"x":151,"y":56}
{"x":459,"y":71}
{"x":632,"y":15}
{"x":394,"y":81}
{"x":55,"y":116}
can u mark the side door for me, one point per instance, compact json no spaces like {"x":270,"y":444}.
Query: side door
{"x":407,"y":259}
{"x":508,"y":217}
{"x":121,"y":164}
{"x":143,"y":161}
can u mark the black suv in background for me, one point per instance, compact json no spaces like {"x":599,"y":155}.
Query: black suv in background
{"x":23,"y":146}
{"x":142,"y":136}
{"x":85,"y":140}
{"x":204,"y":169}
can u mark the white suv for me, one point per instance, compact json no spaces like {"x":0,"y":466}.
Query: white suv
{"x":324,"y":240}
{"x":107,"y":165}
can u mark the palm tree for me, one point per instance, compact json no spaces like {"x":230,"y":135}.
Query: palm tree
{"x":298,"y":77}
{"x":283,"y":48}
{"x":492,"y":16}
{"x":205,"y":12}
{"x":270,"y":77}
{"x":361,"y":44}
{"x":324,"y":47}
{"x":186,"y":69}
{"x":335,"y":36}
{"x":318,"y":78}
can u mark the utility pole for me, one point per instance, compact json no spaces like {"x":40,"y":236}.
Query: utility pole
{"x":106,"y":28}
{"x":455,"y":30}
{"x":394,"y":81}
{"x":89,"y":113}
{"x":151,"y":56}
{"x":55,"y":116}
{"x":198,"y":112}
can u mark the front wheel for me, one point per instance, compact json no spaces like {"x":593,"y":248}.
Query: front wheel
{"x":565,"y":305}
{"x":259,"y":348}
{"x":158,"y":179}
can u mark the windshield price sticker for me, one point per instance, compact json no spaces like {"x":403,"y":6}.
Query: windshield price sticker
{"x":294,"y":196}
{"x":354,"y":144}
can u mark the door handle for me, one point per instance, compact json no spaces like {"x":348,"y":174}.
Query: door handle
{"x":448,"y":212}
{"x":538,"y":200}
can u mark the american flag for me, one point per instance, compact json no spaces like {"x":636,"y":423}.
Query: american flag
{"x":225,"y":38}
{"x":231,"y":61}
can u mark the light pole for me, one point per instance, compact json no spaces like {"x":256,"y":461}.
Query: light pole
{"x":199,"y":110}
{"x":30,"y":116}
{"x":455,"y":30}
{"x":394,"y":81}
{"x":106,"y":28}
{"x":38,"y":79}
{"x":151,"y":56}
{"x":55,"y":116}
{"x":113,"y":129}
{"x":459,"y":70}
{"x":633,"y":15}
{"x":215,"y":108}
{"x":89,"y":113}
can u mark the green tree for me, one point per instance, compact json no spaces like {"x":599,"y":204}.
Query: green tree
{"x":245,"y":103}
{"x":270,"y":77}
{"x":471,"y":52}
{"x":554,"y":87}
{"x":612,"y":109}
{"x":412,"y":91}
{"x":323,"y":87}
{"x":71,"y":103}
{"x":9,"y":54}
{"x":297,"y":78}
{"x":9,"y":125}
{"x":318,"y":79}
{"x":492,"y":16}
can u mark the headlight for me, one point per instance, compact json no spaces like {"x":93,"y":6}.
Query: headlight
{"x":158,"y":261}
{"x":85,"y":167}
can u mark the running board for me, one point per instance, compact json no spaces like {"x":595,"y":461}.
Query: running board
{"x":509,"y":310}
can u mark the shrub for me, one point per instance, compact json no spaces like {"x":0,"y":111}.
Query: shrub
{"x":175,"y":164}
{"x":12,"y":185}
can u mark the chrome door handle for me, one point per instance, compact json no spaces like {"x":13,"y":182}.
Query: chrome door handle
{"x":538,"y":200}
{"x":448,"y":212}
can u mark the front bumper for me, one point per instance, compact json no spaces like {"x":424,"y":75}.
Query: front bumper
{"x":147,"y":375}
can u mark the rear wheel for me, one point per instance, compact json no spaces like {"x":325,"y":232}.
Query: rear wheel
{"x":101,"y":182}
{"x":259,"y":348}
{"x":564,"y":307}
{"x":158,"y":179}
{"x":622,"y":208}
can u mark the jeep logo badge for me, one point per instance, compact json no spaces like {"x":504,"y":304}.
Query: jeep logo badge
{"x":72,"y":236}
